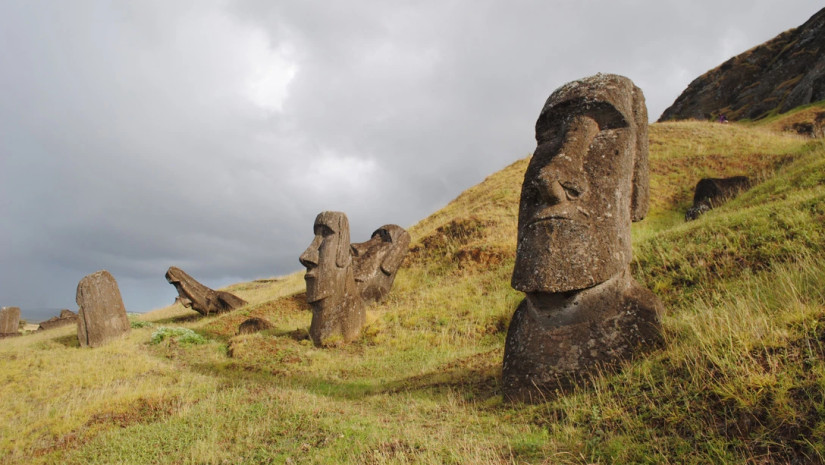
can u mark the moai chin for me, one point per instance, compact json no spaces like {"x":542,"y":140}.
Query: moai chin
{"x":585,"y":184}
{"x":101,"y":315}
{"x":337,"y":309}
{"x":376,"y":261}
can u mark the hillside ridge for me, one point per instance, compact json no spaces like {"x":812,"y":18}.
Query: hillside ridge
{"x":781,"y":74}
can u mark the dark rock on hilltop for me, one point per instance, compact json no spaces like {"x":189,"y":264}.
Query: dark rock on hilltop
{"x":712,"y":192}
{"x":779,"y":75}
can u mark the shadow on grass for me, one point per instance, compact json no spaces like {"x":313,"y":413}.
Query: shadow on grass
{"x":478,"y":381}
{"x":69,"y":340}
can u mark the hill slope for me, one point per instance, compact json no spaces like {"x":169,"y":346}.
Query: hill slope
{"x":741,"y":379}
{"x":781,"y":74}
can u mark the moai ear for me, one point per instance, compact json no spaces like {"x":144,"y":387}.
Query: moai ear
{"x":640,"y":192}
{"x":400,"y":245}
{"x":343,"y":255}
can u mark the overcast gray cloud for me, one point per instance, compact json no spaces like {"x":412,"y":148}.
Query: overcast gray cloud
{"x":208,"y":135}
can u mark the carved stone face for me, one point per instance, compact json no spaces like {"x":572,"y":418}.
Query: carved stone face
{"x":327,"y":259}
{"x":376,"y":261}
{"x":579,"y":192}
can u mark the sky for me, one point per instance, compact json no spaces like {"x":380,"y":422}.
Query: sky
{"x":208,"y":135}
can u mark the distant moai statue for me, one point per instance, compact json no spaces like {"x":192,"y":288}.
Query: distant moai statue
{"x":101,"y":316}
{"x":586,"y":182}
{"x":337,"y":309}
{"x":67,"y":317}
{"x":9,"y":321}
{"x":712,"y":192}
{"x":194,"y":295}
{"x":376,"y":261}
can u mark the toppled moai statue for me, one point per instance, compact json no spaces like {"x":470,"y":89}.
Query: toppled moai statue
{"x":194,"y":295}
{"x":586,"y":182}
{"x":67,"y":317}
{"x":9,"y":321}
{"x":337,"y":309}
{"x":101,"y":315}
{"x":376,"y":261}
{"x":712,"y":192}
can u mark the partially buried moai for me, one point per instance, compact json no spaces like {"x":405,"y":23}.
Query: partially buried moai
{"x":101,"y":315}
{"x":9,"y":321}
{"x":337,"y":309}
{"x":586,"y":182}
{"x":376,"y":261}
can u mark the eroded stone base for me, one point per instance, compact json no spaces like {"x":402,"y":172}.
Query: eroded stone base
{"x":556,"y":340}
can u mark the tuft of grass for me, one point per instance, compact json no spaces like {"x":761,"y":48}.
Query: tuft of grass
{"x":179,"y":335}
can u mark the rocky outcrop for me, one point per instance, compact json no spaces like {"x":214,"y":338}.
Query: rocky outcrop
{"x":779,"y":75}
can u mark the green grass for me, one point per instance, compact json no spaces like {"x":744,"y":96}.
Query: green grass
{"x":741,"y":378}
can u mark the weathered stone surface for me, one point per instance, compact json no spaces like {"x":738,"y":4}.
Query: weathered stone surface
{"x":9,"y":321}
{"x":101,"y":315}
{"x":67,"y":317}
{"x":337,"y":309}
{"x":194,"y":295}
{"x":712,"y":192}
{"x":254,"y":325}
{"x":774,"y":77}
{"x":376,"y":261}
{"x":586,"y":182}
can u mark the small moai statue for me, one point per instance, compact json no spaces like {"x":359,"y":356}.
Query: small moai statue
{"x":101,"y":315}
{"x":585,"y":184}
{"x":9,"y":321}
{"x":376,"y":261}
{"x":337,"y":309}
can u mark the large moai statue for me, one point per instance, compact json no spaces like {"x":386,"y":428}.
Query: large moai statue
{"x":586,"y":182}
{"x":376,"y":261}
{"x":9,"y":321}
{"x":200,"y":298}
{"x":101,"y":315}
{"x":337,"y":309}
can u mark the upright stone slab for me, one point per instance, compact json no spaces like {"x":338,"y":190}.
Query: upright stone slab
{"x":376,"y":261}
{"x":101,"y":315}
{"x":337,"y":309}
{"x":194,"y":295}
{"x":586,"y":182}
{"x":9,"y":321}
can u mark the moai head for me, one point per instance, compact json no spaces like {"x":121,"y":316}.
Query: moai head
{"x":337,"y":311}
{"x":376,"y":261}
{"x":328,"y":258}
{"x":586,"y":182}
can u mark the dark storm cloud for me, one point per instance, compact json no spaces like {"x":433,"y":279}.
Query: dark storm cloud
{"x":139,"y":135}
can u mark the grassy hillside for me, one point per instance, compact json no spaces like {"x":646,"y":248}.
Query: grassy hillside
{"x":741,"y":379}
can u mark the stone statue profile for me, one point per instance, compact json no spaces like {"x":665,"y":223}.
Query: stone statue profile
{"x":376,"y":261}
{"x":200,"y":298}
{"x":586,"y":182}
{"x":337,"y":309}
